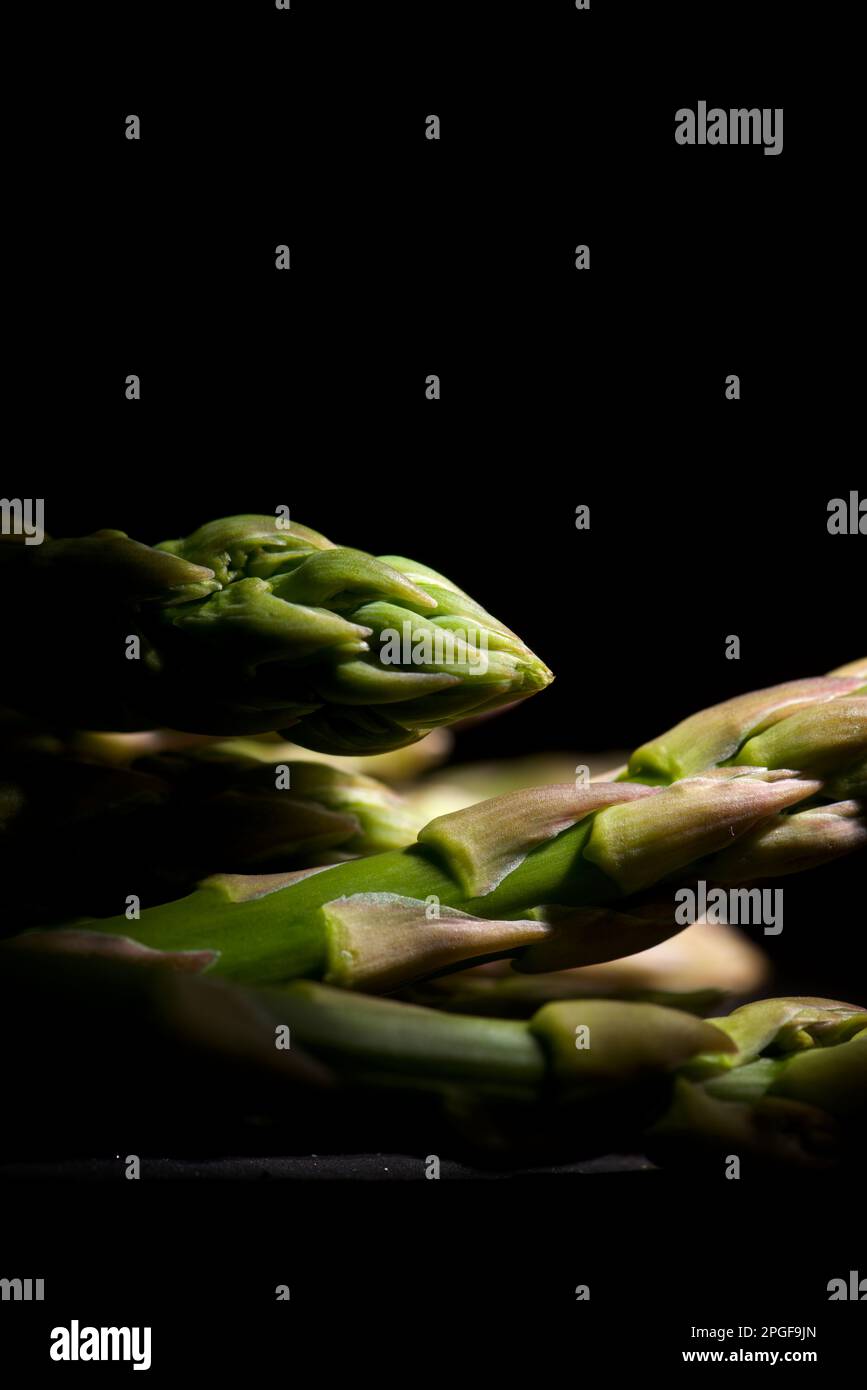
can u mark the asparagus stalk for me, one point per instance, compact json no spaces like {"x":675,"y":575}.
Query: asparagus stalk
{"x":575,"y":1047}
{"x":249,"y":625}
{"x":457,"y":897}
{"x":302,"y":812}
{"x":802,"y":1102}
{"x":802,"y":1099}
{"x":580,"y":1047}
{"x":776,"y":1080}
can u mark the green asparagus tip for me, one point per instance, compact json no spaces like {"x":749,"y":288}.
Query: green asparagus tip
{"x":723,"y":733}
{"x":364,"y":654}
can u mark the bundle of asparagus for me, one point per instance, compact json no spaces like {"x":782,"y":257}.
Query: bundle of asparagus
{"x":248,"y":627}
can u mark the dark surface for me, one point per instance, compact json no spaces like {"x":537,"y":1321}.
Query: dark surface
{"x":379,"y":1167}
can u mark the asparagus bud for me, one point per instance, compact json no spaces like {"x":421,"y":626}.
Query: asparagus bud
{"x":818,"y":741}
{"x":834,"y":1078}
{"x":789,"y":843}
{"x":780,"y":1026}
{"x":483,"y":844}
{"x":247,"y":626}
{"x":776,"y":727}
{"x":793,"y":1086}
{"x":638,"y":844}
{"x":371,"y":653}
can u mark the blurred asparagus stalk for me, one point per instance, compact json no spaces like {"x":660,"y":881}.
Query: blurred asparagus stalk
{"x":695,"y":970}
{"x":779,"y":1080}
{"x":305,"y":811}
{"x":161,"y":823}
{"x":457,"y":787}
{"x":397,"y":768}
{"x":579,"y":1048}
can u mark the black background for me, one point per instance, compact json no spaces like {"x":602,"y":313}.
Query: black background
{"x":259,"y":388}
{"x":409,"y":256}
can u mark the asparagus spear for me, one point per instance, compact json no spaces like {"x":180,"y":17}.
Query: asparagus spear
{"x":615,"y":1067}
{"x":778,"y":1080}
{"x":580,"y":1047}
{"x":577,"y":1048}
{"x":455,"y":897}
{"x":247,"y":626}
{"x":818,"y":726}
{"x":794,"y":1084}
